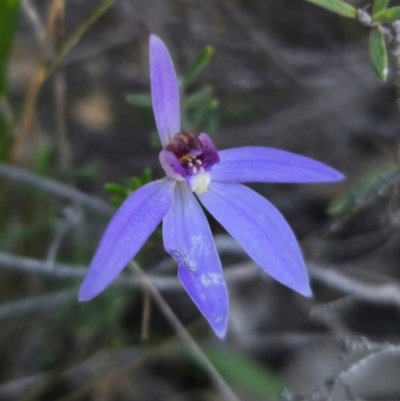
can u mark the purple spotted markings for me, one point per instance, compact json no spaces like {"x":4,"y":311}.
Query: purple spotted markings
{"x":190,"y":158}
{"x":196,"y":173}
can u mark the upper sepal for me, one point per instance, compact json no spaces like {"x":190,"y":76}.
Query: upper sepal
{"x":164,"y":91}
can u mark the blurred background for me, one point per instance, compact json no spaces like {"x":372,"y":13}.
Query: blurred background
{"x":75,"y":116}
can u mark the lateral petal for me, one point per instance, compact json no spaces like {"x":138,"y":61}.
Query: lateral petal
{"x":188,"y":239}
{"x":164,"y":91}
{"x":260,"y":164}
{"x":126,"y":233}
{"x":261,"y":230}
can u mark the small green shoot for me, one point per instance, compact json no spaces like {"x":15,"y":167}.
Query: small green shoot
{"x":246,"y":372}
{"x":198,"y":65}
{"x":363,"y":190}
{"x":378,"y":6}
{"x":140,"y":100}
{"x":337,"y":7}
{"x":378,"y":53}
{"x":118,"y":193}
{"x":389,"y":15}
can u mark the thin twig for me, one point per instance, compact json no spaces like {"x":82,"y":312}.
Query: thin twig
{"x":56,"y":188}
{"x":184,"y":335}
{"x":146,"y":314}
{"x":378,"y":293}
{"x":63,"y":146}
{"x":71,"y":218}
{"x":24,"y":130}
{"x":237,"y":273}
{"x":394,"y":41}
{"x":41,"y":303}
{"x":33,"y":16}
{"x":76,"y":35}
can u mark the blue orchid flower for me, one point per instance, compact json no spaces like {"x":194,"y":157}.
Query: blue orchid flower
{"x":196,"y":171}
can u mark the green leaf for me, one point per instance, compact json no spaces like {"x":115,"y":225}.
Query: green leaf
{"x":378,"y":53}
{"x":120,"y":192}
{"x":140,"y":100}
{"x":199,"y":98}
{"x":146,"y":176}
{"x":388,"y":15}
{"x":43,"y":161}
{"x":117,"y":190}
{"x":134,"y":183}
{"x":244,"y":371}
{"x":364,"y":189}
{"x":336,"y":6}
{"x":8,"y":20}
{"x":379,"y":5}
{"x":199,"y":63}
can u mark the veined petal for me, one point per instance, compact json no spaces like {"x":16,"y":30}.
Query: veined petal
{"x":188,"y":239}
{"x":127,"y":231}
{"x":261,"y":230}
{"x":164,"y":91}
{"x":259,"y":164}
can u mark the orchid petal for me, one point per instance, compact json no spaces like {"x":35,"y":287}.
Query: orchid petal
{"x":261,"y":230}
{"x":188,"y":239}
{"x":171,"y":165}
{"x":259,"y":164}
{"x":164,"y":91}
{"x":126,"y":233}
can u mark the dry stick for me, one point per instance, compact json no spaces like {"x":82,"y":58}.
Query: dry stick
{"x":184,"y":335}
{"x":56,"y":188}
{"x":74,"y":38}
{"x":146,"y":314}
{"x":63,"y":146}
{"x":41,"y":303}
{"x":24,"y":129}
{"x":33,"y":16}
{"x":394,"y":42}
{"x":42,"y":72}
{"x":237,"y":273}
{"x":71,"y":218}
{"x":379,"y":293}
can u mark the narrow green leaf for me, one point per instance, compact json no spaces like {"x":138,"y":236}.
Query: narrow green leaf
{"x":364,"y":189}
{"x":378,"y":53}
{"x":134,"y":184}
{"x":141,"y":100}
{"x":246,"y":372}
{"x":388,"y":15}
{"x":379,"y":5}
{"x":198,"y":65}
{"x":146,"y":176}
{"x":117,"y":190}
{"x":199,"y":98}
{"x":336,"y":6}
{"x":117,"y":201}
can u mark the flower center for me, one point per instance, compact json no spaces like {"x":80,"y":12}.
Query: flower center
{"x":190,"y":158}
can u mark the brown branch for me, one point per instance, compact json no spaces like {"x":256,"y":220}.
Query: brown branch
{"x":56,"y":188}
{"x":184,"y":335}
